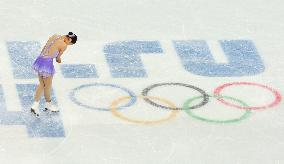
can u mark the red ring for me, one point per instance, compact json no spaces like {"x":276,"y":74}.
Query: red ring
{"x":277,"y":95}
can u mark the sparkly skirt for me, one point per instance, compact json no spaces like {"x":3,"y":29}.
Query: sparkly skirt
{"x":44,"y":66}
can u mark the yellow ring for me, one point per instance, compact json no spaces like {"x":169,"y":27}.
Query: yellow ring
{"x":114,"y":104}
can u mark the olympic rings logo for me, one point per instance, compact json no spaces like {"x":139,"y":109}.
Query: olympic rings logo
{"x":187,"y":105}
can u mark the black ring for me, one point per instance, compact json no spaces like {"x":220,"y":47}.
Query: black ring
{"x":204,"y":95}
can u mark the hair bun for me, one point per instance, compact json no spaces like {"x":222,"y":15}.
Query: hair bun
{"x":72,"y":36}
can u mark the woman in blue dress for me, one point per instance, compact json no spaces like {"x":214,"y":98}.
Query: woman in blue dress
{"x":43,"y":66}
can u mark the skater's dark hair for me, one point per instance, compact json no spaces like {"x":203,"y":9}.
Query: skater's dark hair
{"x":72,"y":36}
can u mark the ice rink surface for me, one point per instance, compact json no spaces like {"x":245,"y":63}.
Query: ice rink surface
{"x":148,"y":82}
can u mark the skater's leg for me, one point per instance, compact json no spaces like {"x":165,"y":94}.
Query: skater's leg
{"x":47,"y":88}
{"x":39,"y":89}
{"x":47,"y":91}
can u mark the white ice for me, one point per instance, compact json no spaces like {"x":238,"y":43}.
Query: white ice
{"x":99,"y":137}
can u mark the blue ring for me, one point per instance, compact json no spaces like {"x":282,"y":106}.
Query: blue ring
{"x":131,"y":94}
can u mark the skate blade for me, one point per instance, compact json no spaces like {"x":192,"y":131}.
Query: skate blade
{"x":34,"y":113}
{"x":46,"y":109}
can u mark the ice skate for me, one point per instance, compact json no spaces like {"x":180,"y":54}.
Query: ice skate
{"x":35,"y":109}
{"x":50,"y":107}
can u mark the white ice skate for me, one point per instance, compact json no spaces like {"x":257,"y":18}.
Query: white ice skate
{"x":50,"y":107}
{"x":35,"y":109}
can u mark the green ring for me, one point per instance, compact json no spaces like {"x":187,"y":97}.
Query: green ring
{"x":188,"y":111}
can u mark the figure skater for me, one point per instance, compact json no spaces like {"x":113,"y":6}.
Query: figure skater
{"x":43,"y":65}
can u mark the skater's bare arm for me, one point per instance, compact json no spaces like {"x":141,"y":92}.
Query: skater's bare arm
{"x":61,"y":50}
